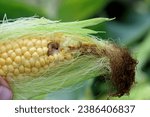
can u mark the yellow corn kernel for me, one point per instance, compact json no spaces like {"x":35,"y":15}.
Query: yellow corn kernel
{"x":35,"y":55}
{"x":10,"y":52}
{"x":18,"y":51}
{"x":32,"y":50}
{"x":4,"y":68}
{"x":21,"y":69}
{"x":2,"y":61}
{"x":45,"y":49}
{"x":39,"y":51}
{"x":3,"y":49}
{"x":34,"y":70}
{"x":8,"y":61}
{"x":10,"y":68}
{"x":25,"y":41}
{"x":37,"y":64}
{"x":8,"y":46}
{"x":44,"y":43}
{"x":15,"y":45}
{"x":30,"y":44}
{"x":34,"y":40}
{"x":4,"y":55}
{"x":60,"y":56}
{"x":27,"y":55}
{"x":24,"y":49}
{"x":10,"y":74}
{"x":27,"y":64}
{"x":32,"y":62}
{"x":27,"y":70}
{"x":38,"y":43}
{"x":13,"y":55}
{"x":2,"y":72}
{"x":15,"y":65}
{"x":42,"y":61}
{"x":50,"y":59}
{"x":17,"y":59}
{"x":16,"y":72}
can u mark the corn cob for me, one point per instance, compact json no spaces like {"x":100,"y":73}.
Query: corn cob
{"x":30,"y":55}
{"x":38,"y":54}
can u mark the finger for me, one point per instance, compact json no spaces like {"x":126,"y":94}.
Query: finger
{"x":5,"y":93}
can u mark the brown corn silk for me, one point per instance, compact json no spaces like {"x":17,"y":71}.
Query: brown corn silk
{"x":38,"y":56}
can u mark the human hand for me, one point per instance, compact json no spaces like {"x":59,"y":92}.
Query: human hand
{"x":5,"y":91}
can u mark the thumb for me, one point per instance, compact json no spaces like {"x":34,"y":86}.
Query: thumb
{"x":5,"y":91}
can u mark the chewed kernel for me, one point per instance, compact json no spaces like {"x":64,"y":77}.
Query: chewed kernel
{"x":53,"y":48}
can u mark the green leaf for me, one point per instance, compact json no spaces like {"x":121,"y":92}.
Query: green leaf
{"x":15,"y":9}
{"x":79,"y":9}
{"x":128,"y":33}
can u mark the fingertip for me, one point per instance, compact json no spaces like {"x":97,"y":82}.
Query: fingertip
{"x":5,"y":93}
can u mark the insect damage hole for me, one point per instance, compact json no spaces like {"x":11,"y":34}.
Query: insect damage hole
{"x":53,"y":47}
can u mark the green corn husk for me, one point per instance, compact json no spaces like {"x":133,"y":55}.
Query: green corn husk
{"x":61,"y":74}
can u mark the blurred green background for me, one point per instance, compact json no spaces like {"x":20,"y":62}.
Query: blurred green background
{"x":130,"y":29}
